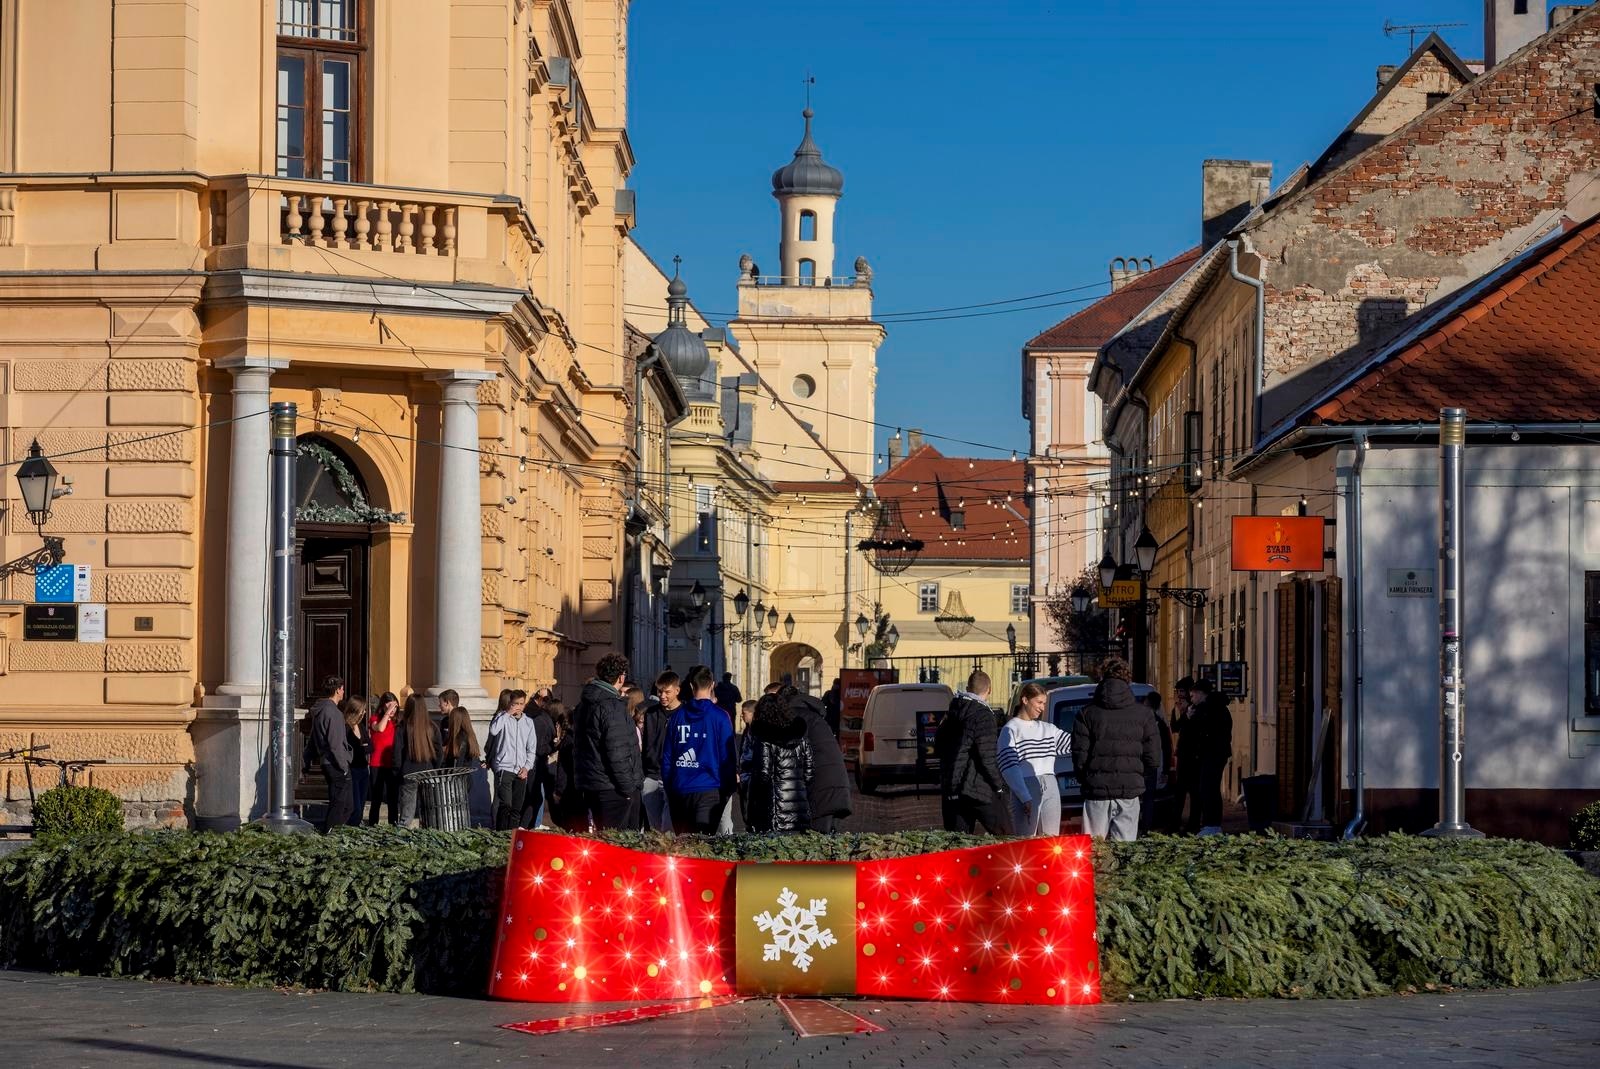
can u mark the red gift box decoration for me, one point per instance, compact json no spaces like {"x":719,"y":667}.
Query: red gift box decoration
{"x":583,"y":921}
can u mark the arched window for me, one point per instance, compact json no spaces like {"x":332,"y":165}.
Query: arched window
{"x":808,"y":272}
{"x":328,"y":488}
{"x":808,"y":226}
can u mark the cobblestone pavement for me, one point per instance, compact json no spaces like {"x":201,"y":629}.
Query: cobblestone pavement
{"x":68,"y":1022}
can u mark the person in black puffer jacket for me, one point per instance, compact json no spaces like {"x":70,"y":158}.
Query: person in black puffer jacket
{"x":1210,"y":735}
{"x":778,"y":761}
{"x":970,"y":782}
{"x":830,"y":785}
{"x":609,"y":769}
{"x":1115,"y":745}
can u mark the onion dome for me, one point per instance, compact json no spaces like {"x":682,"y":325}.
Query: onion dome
{"x":807,"y":173}
{"x":683,"y":350}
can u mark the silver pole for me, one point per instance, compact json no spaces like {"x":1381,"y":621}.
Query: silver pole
{"x":1452,"y":688}
{"x":280,"y":816}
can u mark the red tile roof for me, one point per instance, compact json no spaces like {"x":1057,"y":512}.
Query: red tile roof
{"x":931,"y":488}
{"x":1524,"y":349}
{"x":1097,"y":324}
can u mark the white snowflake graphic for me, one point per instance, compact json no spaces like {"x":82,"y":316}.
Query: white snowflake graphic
{"x":794,"y":930}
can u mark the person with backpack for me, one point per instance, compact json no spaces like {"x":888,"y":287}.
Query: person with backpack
{"x":777,"y":762}
{"x":972,"y":788}
{"x":697,"y":759}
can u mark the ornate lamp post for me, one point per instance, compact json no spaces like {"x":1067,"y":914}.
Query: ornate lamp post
{"x":41,"y":484}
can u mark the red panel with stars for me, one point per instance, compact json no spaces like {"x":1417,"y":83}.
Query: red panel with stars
{"x":1013,"y":922}
{"x":582,"y":921}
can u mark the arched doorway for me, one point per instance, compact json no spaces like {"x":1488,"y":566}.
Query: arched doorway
{"x":799,"y":663}
{"x":333,"y":545}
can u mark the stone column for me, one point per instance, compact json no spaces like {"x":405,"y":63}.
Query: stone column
{"x":244,"y":672}
{"x":458,"y":597}
{"x":231,"y":729}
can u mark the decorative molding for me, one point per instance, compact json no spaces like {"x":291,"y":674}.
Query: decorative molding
{"x":251,"y":286}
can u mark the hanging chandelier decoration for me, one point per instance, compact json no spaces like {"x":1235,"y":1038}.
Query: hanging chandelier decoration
{"x":954,"y":623}
{"x":891,"y":545}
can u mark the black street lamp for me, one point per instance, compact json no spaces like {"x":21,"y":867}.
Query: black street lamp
{"x":772,"y":619}
{"x":788,"y":625}
{"x":891,"y":639}
{"x":697,"y":595}
{"x":1011,"y":638}
{"x":37,"y":477}
{"x":1108,"y":571}
{"x":741,"y":603}
{"x":862,"y":623}
{"x":1081,"y":600}
{"x":1144,"y":555}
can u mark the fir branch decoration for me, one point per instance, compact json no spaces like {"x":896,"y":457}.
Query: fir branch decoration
{"x":393,"y":910}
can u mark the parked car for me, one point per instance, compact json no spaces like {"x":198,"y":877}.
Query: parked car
{"x":896,"y":730}
{"x":1047,"y":682}
{"x":1063,"y":705}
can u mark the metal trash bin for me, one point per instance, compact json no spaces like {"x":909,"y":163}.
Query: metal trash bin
{"x":442,"y":795}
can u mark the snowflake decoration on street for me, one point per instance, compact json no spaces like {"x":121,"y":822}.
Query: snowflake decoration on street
{"x":794,"y":930}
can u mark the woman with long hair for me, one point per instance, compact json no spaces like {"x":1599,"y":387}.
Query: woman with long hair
{"x":1030,"y":747}
{"x":461,"y":751}
{"x":416,"y":746}
{"x":777,"y":758}
{"x":355,"y":725}
{"x":382,"y":724}
{"x":566,"y":806}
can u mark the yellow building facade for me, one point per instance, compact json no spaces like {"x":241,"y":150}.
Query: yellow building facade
{"x":406,"y":218}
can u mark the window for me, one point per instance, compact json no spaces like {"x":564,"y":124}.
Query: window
{"x":1519,"y":7}
{"x":804,"y":386}
{"x":320,"y":128}
{"x":808,"y":272}
{"x":1591,"y":643}
{"x":1019,"y":599}
{"x":958,"y":519}
{"x":928,"y":597}
{"x":808,"y":226}
{"x":702,"y":498}
{"x":1435,"y":99}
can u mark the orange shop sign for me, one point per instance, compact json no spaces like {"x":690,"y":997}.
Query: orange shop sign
{"x":1277,"y":543}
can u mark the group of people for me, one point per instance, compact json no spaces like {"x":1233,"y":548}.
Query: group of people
{"x":673,"y":760}
{"x":367,"y":750}
{"x":1119,"y":748}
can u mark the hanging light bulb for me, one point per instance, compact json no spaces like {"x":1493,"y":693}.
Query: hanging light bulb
{"x":355,"y":435}
{"x":522,"y":463}
{"x":913,"y":488}
{"x":1013,"y":455}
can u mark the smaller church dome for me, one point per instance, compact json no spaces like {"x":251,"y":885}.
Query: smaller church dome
{"x":807,"y":173}
{"x":683,"y":350}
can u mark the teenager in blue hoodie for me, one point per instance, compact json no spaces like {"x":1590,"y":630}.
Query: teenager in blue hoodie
{"x":698,"y":767}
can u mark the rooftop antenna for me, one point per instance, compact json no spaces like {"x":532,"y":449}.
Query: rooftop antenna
{"x":1390,"y":29}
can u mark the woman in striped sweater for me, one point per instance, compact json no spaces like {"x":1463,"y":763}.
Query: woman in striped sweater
{"x":1030,"y":747}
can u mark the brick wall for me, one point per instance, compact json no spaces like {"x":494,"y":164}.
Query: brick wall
{"x":1449,"y":197}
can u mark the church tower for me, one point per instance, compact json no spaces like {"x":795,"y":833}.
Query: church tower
{"x":810,"y":334}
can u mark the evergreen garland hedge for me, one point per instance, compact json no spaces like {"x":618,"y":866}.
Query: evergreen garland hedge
{"x":385,"y":909}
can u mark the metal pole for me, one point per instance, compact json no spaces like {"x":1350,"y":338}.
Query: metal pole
{"x":280,"y":816}
{"x":1452,"y":688}
{"x":1141,"y":640}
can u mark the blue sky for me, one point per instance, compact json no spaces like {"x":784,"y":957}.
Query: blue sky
{"x":991,"y":150}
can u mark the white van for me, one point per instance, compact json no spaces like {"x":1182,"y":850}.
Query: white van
{"x":898,"y":724}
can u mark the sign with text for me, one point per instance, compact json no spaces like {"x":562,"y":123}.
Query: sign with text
{"x":1232,"y":678}
{"x":61,"y":583}
{"x":91,"y":623}
{"x":1122,"y":592}
{"x":50,"y":623}
{"x":1410,"y":583}
{"x":854,"y":686}
{"x":1277,"y":543}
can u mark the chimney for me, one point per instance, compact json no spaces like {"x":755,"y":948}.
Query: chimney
{"x":1562,"y":12}
{"x":1124,"y":269}
{"x":1228,"y":190}
{"x":913,"y":440}
{"x":1510,"y":24}
{"x":896,"y":449}
{"x":1385,"y":72}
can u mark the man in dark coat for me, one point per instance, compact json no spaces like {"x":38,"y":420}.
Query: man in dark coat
{"x":830,"y":786}
{"x":330,"y":740}
{"x":726,"y":695}
{"x":1115,"y":746}
{"x":609,"y":766}
{"x":1208,"y":739}
{"x":832,"y":704}
{"x":972,"y":789}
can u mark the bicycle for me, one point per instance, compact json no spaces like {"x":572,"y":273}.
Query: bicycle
{"x":69,"y":770}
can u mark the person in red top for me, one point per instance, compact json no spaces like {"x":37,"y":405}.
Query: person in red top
{"x":385,"y":785}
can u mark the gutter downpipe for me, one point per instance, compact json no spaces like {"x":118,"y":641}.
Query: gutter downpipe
{"x":1256,"y":435}
{"x":1358,"y":768}
{"x":1192,"y":653}
{"x":1261,"y":340}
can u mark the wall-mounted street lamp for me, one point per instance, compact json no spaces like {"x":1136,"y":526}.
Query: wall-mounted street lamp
{"x":1144,"y":555}
{"x":788,"y":625}
{"x":41,"y":484}
{"x":862,"y":623}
